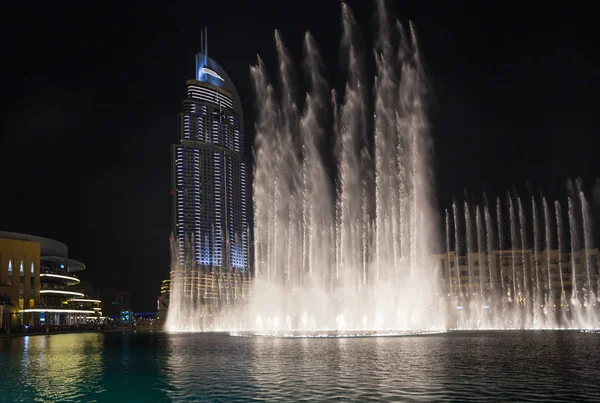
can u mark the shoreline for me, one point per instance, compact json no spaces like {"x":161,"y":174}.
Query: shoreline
{"x":118,"y":329}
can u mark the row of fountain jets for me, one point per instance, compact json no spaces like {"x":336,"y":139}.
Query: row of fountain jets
{"x":532,"y":270}
{"x":351,"y":255}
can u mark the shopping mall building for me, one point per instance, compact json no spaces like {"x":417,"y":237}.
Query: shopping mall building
{"x":38,"y":284}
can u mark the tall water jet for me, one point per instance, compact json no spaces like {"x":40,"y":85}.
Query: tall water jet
{"x":317,"y":211}
{"x":574,"y":247}
{"x":515,"y":294}
{"x":489,"y":229}
{"x":469,"y":248}
{"x":505,"y":294}
{"x":524,"y":264}
{"x":559,"y":241}
{"x":386,"y":172}
{"x":587,"y":241}
{"x":575,"y":303}
{"x":537,"y":299}
{"x":481,"y":268}
{"x":350,"y":137}
{"x":591,"y":319}
{"x":448,"y":260}
{"x":460,"y":292}
{"x":549,"y":299}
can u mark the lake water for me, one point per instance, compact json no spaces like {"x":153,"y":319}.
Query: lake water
{"x":160,"y":367}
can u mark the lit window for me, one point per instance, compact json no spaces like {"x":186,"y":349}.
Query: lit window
{"x":10,"y":272}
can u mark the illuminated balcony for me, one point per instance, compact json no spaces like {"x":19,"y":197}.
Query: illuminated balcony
{"x":61,"y":292}
{"x":70,"y":279}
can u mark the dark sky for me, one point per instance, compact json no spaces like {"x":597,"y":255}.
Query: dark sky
{"x":92,"y":91}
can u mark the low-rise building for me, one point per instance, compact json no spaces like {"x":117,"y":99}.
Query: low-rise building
{"x":38,"y":278}
{"x":163,"y":303}
{"x":550,"y":272}
{"x":19,"y":279}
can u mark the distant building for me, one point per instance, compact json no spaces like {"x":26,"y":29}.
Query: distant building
{"x":162,"y":303}
{"x":165,"y":287}
{"x":115,"y":301}
{"x":87,"y":288}
{"x":513,"y":270}
{"x":146,"y":320}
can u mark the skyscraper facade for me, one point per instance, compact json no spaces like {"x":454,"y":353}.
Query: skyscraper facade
{"x":209,"y":174}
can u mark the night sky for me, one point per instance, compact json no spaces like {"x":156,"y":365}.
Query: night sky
{"x":91,"y":94}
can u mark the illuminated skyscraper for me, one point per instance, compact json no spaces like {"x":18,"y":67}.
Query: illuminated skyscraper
{"x":209,"y":174}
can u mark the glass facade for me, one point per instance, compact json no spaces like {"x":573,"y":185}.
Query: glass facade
{"x":209,"y":174}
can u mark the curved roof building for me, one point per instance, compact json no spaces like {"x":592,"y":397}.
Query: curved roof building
{"x":209,"y":174}
{"x":50,"y":250}
{"x":47,"y":246}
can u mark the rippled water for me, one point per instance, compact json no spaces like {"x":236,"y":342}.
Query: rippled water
{"x":157,"y":367}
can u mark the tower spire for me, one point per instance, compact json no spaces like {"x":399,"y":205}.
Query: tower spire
{"x":205,"y":45}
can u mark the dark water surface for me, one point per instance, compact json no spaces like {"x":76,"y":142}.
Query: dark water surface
{"x":160,"y":367}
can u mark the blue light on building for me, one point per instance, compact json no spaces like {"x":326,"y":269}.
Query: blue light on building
{"x":126,"y":317}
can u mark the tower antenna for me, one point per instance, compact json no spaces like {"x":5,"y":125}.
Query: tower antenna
{"x":205,"y":45}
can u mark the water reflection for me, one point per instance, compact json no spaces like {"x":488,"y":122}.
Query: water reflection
{"x":208,"y":367}
{"x":338,"y":369}
{"x":159,"y":367}
{"x":526,"y":366}
{"x":55,"y":368}
{"x":83,"y":367}
{"x":134,"y":367}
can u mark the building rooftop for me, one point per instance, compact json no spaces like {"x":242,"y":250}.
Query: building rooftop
{"x":47,"y":246}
